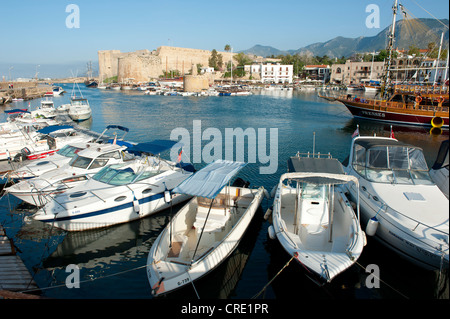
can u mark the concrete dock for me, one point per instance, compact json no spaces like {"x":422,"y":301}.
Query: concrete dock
{"x":14,"y":276}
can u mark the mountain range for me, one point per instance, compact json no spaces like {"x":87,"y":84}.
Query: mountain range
{"x":417,"y":32}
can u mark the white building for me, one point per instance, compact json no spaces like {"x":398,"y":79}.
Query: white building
{"x":271,"y":73}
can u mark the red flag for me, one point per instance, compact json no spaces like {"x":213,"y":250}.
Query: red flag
{"x":356,"y":132}
{"x":392,"y":133}
{"x":179,"y":156}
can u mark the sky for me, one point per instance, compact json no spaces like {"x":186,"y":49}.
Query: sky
{"x":37,"y":33}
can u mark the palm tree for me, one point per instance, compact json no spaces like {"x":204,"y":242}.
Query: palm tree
{"x":227,"y":48}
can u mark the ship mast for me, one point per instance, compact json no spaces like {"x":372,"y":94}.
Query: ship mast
{"x":385,"y":86}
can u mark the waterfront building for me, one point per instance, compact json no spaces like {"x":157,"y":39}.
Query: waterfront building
{"x":356,"y":72}
{"x":318,"y":72}
{"x":271,"y":72}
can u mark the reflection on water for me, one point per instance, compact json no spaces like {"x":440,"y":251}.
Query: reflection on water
{"x":112,"y":260}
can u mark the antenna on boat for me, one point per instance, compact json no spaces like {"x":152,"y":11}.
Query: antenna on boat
{"x":314,"y":144}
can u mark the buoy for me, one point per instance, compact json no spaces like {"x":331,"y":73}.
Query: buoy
{"x":437,"y":121}
{"x":372,"y":226}
{"x":268,"y":213}
{"x":271,"y":232}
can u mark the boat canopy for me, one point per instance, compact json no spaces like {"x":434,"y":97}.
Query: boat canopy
{"x":319,"y":171}
{"x":153,"y":147}
{"x":122,"y":128}
{"x":209,"y":181}
{"x":53,"y":128}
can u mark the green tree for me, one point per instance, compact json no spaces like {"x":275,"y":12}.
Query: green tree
{"x":227,"y":48}
{"x":214,"y":60}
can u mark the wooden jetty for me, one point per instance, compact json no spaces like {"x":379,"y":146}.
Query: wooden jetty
{"x":14,"y":276}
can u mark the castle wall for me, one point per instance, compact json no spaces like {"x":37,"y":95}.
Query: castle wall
{"x":143,"y":65}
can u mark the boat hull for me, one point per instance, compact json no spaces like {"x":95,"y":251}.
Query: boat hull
{"x":326,"y":260}
{"x":110,"y":214}
{"x":166,"y":276}
{"x":399,"y":116}
{"x":402,"y":240}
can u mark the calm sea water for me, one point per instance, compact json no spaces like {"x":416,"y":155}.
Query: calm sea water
{"x":112,"y":260}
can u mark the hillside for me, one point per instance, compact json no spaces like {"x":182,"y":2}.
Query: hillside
{"x":417,"y":32}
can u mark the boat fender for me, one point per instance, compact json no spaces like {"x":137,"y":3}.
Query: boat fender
{"x":167,"y":196}
{"x":364,"y":238}
{"x":372,"y":226}
{"x":266,"y":194}
{"x":135,"y":204}
{"x":437,"y":121}
{"x":271,"y":232}
{"x":268,"y":213}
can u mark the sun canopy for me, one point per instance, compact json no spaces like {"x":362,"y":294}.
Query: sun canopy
{"x":154,"y":147}
{"x":53,"y":128}
{"x":209,"y":181}
{"x":319,"y":171}
{"x":123,"y":128}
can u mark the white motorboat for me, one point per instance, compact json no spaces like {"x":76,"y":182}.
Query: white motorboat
{"x":400,"y":204}
{"x":38,"y":144}
{"x":115,"y":86}
{"x":119,"y":193}
{"x":205,"y":231}
{"x":439,"y":170}
{"x":39,"y":190}
{"x":63,"y":156}
{"x":45,"y":110}
{"x":313,"y":220}
{"x":79,"y":109}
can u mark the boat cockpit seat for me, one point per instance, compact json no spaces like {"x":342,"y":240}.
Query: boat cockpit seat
{"x":314,"y":217}
{"x":218,"y":216}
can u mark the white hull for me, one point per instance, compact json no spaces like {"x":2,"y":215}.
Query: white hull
{"x":308,"y":238}
{"x":414,"y":241}
{"x":96,"y":204}
{"x":80,"y":116}
{"x":174,"y":264}
{"x":412,"y":212}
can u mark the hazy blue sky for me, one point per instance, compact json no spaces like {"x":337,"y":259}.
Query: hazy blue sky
{"x":35,"y":32}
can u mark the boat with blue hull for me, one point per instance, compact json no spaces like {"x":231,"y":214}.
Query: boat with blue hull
{"x":120,"y":193}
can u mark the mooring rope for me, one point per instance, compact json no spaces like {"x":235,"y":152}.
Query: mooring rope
{"x":385,"y":283}
{"x":270,"y":281}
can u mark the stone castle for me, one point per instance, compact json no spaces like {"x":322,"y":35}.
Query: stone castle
{"x":145,"y":65}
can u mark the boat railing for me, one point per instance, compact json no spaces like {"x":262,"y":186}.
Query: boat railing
{"x":313,"y":155}
{"x":421,"y":89}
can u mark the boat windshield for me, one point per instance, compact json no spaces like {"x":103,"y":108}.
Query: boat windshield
{"x":85,"y":162}
{"x":69,"y":151}
{"x":117,"y":175}
{"x":392,"y":164}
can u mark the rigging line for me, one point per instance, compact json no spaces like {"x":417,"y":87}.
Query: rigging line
{"x":430,"y":14}
{"x":397,"y":291}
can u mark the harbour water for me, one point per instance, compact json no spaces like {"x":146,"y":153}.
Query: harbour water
{"x":112,"y":260}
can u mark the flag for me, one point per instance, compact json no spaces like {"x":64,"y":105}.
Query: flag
{"x":179,"y":156}
{"x":392,"y":133}
{"x":356,"y":132}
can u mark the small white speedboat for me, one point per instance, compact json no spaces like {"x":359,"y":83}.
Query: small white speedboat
{"x":313,"y":220}
{"x":80,"y":109}
{"x":400,"y":204}
{"x":39,"y":190}
{"x":119,"y":193}
{"x":205,"y":231}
